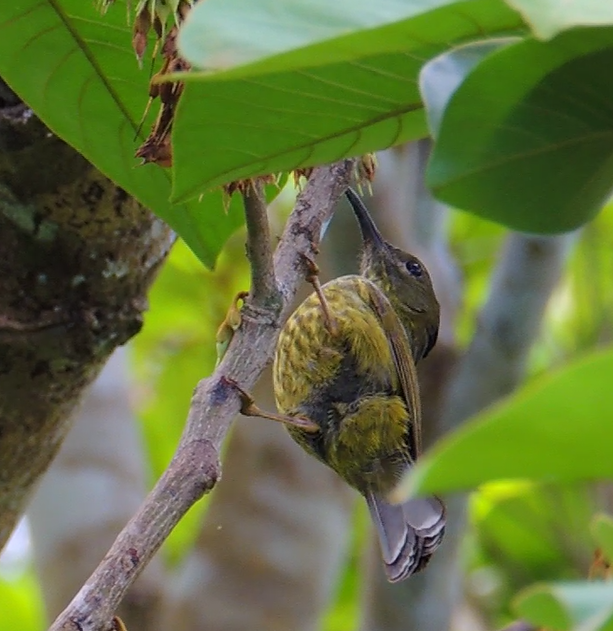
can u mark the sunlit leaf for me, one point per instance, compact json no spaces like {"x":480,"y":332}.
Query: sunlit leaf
{"x":548,"y":17}
{"x":347,"y":95}
{"x":21,"y":604}
{"x":289,"y":34}
{"x":555,"y":430}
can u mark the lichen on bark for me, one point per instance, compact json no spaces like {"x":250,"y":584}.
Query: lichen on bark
{"x":77,"y":255}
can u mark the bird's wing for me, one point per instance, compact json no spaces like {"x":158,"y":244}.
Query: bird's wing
{"x":403,"y":361}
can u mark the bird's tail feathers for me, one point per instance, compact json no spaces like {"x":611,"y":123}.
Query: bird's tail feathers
{"x":408,"y":533}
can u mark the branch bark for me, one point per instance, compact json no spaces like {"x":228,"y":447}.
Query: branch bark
{"x":276,"y":532}
{"x":78,"y":255}
{"x":508,"y":324}
{"x":195,"y":467}
{"x":274,"y":537}
{"x":264,"y":290}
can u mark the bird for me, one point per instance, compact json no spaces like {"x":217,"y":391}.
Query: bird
{"x":345,"y":385}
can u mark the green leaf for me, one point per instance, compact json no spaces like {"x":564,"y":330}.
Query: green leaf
{"x":558,"y":429}
{"x":443,"y":75}
{"x":549,"y":17}
{"x":345,"y":96}
{"x":279,"y":35}
{"x":602,"y":529}
{"x":565,"y":606}
{"x":533,"y":531}
{"x":527,"y":139}
{"x":77,"y":71}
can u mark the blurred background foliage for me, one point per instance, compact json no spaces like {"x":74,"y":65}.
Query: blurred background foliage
{"x":518,"y":533}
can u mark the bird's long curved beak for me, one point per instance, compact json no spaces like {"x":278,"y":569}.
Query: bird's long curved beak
{"x":370,"y":233}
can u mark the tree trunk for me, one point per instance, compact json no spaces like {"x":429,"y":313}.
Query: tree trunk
{"x":77,"y":256}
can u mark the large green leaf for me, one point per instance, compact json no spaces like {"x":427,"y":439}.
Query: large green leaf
{"x":443,"y":75}
{"x":527,"y":138}
{"x":341,"y":92}
{"x":246,"y":39}
{"x":549,"y":17}
{"x":565,"y":606}
{"x":77,"y":71}
{"x":556,"y":430}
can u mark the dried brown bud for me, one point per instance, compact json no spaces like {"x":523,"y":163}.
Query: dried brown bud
{"x":160,"y":154}
{"x":118,"y":625}
{"x":157,"y":147}
{"x":158,"y":27}
{"x":154,"y":88}
{"x":142,"y":26}
{"x":237,"y":186}
{"x":169,"y":49}
{"x":302,"y":172}
{"x":242,"y":186}
{"x":183,"y":9}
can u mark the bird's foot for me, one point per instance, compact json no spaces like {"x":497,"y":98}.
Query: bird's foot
{"x":249,"y":408}
{"x":312,"y":277}
{"x":229,"y":326}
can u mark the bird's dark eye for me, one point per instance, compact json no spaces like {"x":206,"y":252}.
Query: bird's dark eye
{"x":414,"y":268}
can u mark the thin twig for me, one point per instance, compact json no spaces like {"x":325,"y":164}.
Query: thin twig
{"x":264,"y":290}
{"x":195,"y":467}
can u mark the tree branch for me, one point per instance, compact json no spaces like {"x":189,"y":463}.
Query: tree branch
{"x":259,"y":250}
{"x":274,"y":536}
{"x":195,"y":468}
{"x":509,"y":323}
